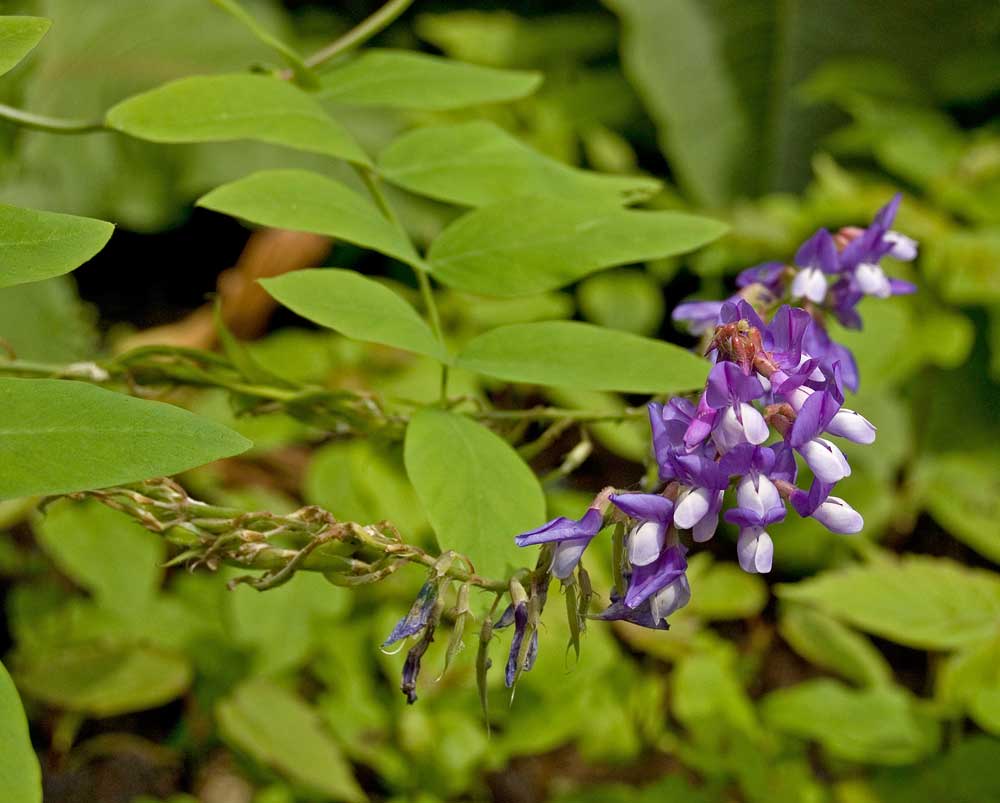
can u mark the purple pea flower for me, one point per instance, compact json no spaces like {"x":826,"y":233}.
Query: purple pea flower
{"x":816,"y":257}
{"x":730,"y":391}
{"x":860,"y":257}
{"x":571,"y":536}
{"x":654,"y":514}
{"x":817,"y":344}
{"x":700,"y":499}
{"x":700,"y":316}
{"x":769,"y":274}
{"x":758,"y":505}
{"x":830,"y":511}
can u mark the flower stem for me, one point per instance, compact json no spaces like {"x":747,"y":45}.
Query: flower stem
{"x":53,"y":125}
{"x":361,"y":33}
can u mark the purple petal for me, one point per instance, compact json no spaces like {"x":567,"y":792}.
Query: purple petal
{"x":728,"y":384}
{"x":646,"y":507}
{"x":562,"y":529}
{"x":887,"y":214}
{"x":700,"y":316}
{"x":900,"y":287}
{"x":819,"y":251}
{"x":416,"y":618}
{"x":813,"y":417}
{"x":647,"y":580}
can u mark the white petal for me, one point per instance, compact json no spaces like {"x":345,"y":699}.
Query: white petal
{"x":759,"y":499}
{"x":645,"y":543}
{"x":692,"y":508}
{"x":755,"y":428}
{"x":672,"y":598}
{"x":706,"y":528}
{"x":729,"y":433}
{"x":851,"y":425}
{"x":755,"y":550}
{"x":826,"y":460}
{"x":809,"y":283}
{"x":872,"y":280}
{"x":798,"y":397}
{"x":567,"y":555}
{"x":838,"y":516}
{"x":903,"y":248}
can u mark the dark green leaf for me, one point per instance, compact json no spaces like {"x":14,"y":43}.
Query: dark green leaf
{"x":406,"y":80}
{"x":477,"y":163}
{"x":524,"y":246}
{"x":20,"y":775}
{"x":356,"y":306}
{"x":581,"y":355}
{"x":220,"y":108}
{"x":18,"y":35}
{"x":59,"y":436}
{"x":477,"y":491}
{"x":278,"y":729}
{"x":304,"y":201}
{"x":40,"y":245}
{"x":923,"y":602}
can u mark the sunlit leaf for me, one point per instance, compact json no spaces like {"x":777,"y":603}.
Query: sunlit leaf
{"x":39,"y":245}
{"x":356,"y":306}
{"x":923,"y":602}
{"x":477,"y":491}
{"x":528,"y":245}
{"x":581,"y":355}
{"x":20,"y":775}
{"x":219,"y":108}
{"x":18,"y":36}
{"x":403,"y":79}
{"x":280,"y":730}
{"x":477,"y":163}
{"x":59,"y":436}
{"x":304,"y":201}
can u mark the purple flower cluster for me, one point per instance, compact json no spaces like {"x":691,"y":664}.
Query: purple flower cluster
{"x":773,"y":400}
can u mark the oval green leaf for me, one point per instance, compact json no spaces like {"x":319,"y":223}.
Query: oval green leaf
{"x":922,"y":602}
{"x":103,"y":680}
{"x":18,"y":36}
{"x":523,"y":246}
{"x":477,"y":491}
{"x":402,"y":79}
{"x":220,"y":108}
{"x":59,"y":436}
{"x":280,"y":730}
{"x":355,"y":306}
{"x":478,"y":163}
{"x":39,"y":245}
{"x":581,"y":355}
{"x":20,"y":775}
{"x":305,"y":201}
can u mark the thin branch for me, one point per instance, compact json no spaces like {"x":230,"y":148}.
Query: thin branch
{"x":53,"y":125}
{"x":361,"y":33}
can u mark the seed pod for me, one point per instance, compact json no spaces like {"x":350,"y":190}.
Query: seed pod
{"x":455,"y":643}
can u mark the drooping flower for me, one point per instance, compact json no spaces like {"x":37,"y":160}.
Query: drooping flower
{"x":572,"y":536}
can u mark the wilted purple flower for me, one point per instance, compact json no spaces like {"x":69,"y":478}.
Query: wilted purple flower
{"x":520,"y":627}
{"x":571,"y":536}
{"x":418,"y":615}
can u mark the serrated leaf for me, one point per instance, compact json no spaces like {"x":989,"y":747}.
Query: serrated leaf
{"x":357,"y":307}
{"x":20,"y":775}
{"x":478,"y":163}
{"x":403,"y":79}
{"x":922,"y":602}
{"x":103,"y":680}
{"x":93,"y":544}
{"x":59,"y":436}
{"x":280,"y":730}
{"x":221,"y":108}
{"x":39,"y":245}
{"x":581,"y":355}
{"x":875,"y":726}
{"x":830,"y":644}
{"x":18,"y":36}
{"x":304,"y":201}
{"x":476,"y":490}
{"x":524,"y":246}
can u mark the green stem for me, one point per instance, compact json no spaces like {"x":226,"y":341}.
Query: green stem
{"x":53,"y":125}
{"x":361,"y":33}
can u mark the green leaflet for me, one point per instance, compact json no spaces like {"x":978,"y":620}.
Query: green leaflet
{"x":59,"y":436}
{"x":305,"y":201}
{"x":18,"y":36}
{"x":523,"y":246}
{"x":356,"y":306}
{"x":279,"y":729}
{"x":923,"y":602}
{"x":477,"y":491}
{"x":20,"y":775}
{"x":581,"y":355}
{"x":403,"y":79}
{"x":39,"y":245}
{"x":478,"y":163}
{"x":219,"y":108}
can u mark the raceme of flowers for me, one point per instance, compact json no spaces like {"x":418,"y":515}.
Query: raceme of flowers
{"x":775,"y":389}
